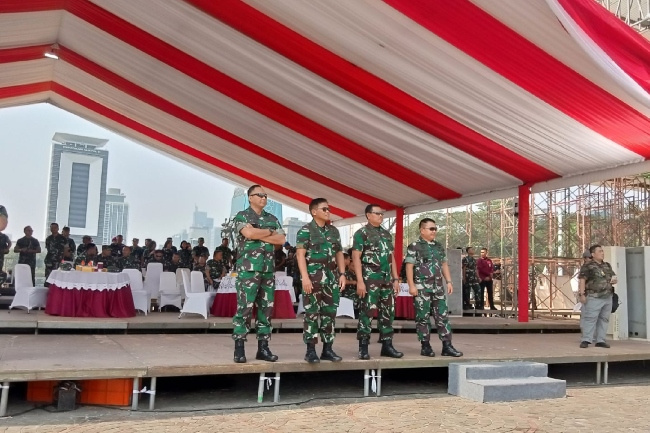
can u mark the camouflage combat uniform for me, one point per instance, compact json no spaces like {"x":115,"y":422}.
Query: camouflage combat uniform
{"x":255,"y":280}
{"x":83,"y":259}
{"x":471,"y":284}
{"x":55,"y":244}
{"x":226,"y":258}
{"x":129,"y":262}
{"x":427,"y":259}
{"x":186,"y":258}
{"x":108,"y":262}
{"x":321,"y":245}
{"x":215,"y":269}
{"x":376,"y":246}
{"x":350,"y":290}
{"x":594,"y":318}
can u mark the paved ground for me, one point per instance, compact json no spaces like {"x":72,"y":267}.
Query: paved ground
{"x":587,"y":409}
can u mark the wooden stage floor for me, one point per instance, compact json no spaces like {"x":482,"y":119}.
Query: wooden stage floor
{"x":43,"y":357}
{"x":156,"y":322}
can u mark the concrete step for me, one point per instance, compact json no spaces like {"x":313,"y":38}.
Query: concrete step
{"x":461,"y":372}
{"x":530,"y":388}
{"x":499,"y":370}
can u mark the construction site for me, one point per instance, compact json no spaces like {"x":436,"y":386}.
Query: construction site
{"x":563,"y":224}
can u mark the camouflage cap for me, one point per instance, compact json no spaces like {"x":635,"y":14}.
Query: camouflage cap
{"x":106,"y":247}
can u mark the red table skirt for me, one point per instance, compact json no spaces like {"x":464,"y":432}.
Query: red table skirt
{"x":404,"y":308}
{"x":225,"y":305}
{"x":90,"y":303}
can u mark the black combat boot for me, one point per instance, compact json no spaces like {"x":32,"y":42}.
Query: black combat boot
{"x":264,"y":353}
{"x":311,"y":356}
{"x":448,"y":350}
{"x":240,"y":354}
{"x":328,"y":353}
{"x":427,"y":350}
{"x":363,"y":349}
{"x":387,"y":349}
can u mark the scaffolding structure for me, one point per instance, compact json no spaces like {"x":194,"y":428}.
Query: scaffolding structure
{"x":564,"y":223}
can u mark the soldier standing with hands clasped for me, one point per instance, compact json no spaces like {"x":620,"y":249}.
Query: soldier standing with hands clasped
{"x":258,"y":232}
{"x":319,"y":254}
{"x":372,"y":256}
{"x":426,"y":265}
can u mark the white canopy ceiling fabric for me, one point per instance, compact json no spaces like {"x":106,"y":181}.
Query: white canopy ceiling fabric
{"x":442,"y":123}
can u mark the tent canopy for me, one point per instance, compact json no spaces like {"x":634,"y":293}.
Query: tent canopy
{"x":408,"y":104}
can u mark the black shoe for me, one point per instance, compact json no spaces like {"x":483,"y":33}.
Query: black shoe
{"x":264,"y":353}
{"x":584,"y":344}
{"x":427,"y":350}
{"x":328,"y":353}
{"x":449,"y":350}
{"x":387,"y":349}
{"x":311,"y":356}
{"x":363,"y":349}
{"x":240,"y":354}
{"x":603,"y":344}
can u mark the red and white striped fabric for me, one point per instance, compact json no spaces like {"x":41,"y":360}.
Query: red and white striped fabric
{"x":404,"y":103}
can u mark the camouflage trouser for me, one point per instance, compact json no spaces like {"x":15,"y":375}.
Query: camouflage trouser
{"x":350,"y":292}
{"x":379,"y":297}
{"x":258,"y":289}
{"x":49,"y":267}
{"x":322,"y":303}
{"x":478,"y":301}
{"x":429,"y":304}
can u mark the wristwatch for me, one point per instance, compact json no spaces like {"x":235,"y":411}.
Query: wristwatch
{"x":271,"y":230}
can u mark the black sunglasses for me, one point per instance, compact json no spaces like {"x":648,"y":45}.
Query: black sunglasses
{"x":324,"y":209}
{"x":260,"y":195}
{"x":432,"y":229}
{"x":378,"y":213}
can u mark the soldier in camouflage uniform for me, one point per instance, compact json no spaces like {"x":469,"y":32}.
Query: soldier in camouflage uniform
{"x":319,"y":254}
{"x":107,"y":260}
{"x":54,"y":244}
{"x":258,"y":232}
{"x":186,"y":255}
{"x":89,"y":255}
{"x":215,"y":269}
{"x":471,"y":281}
{"x":595,"y":292}
{"x":227,"y":253}
{"x":71,"y":243}
{"x":27,"y":247}
{"x":374,"y":263}
{"x":350,"y":290}
{"x":128,"y":260}
{"x":426,"y":265}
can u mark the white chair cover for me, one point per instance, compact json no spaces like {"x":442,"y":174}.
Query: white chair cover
{"x":170,"y":293}
{"x":180,"y":280}
{"x":199,"y":301}
{"x":346,"y":307}
{"x":141,"y":298}
{"x":152,"y":280}
{"x":197,"y":282}
{"x":27,"y":296}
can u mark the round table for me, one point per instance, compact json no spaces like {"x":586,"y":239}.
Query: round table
{"x":225,"y":303}
{"x":89,"y":294}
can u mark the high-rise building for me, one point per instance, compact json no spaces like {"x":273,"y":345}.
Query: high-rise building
{"x":116,"y":216}
{"x":291,"y":226}
{"x":77,"y":191}
{"x":202,"y":227}
{"x":240,"y":202}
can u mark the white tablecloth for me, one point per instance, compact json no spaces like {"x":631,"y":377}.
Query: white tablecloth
{"x":281,"y":283}
{"x":404,"y":290}
{"x":88,"y":280}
